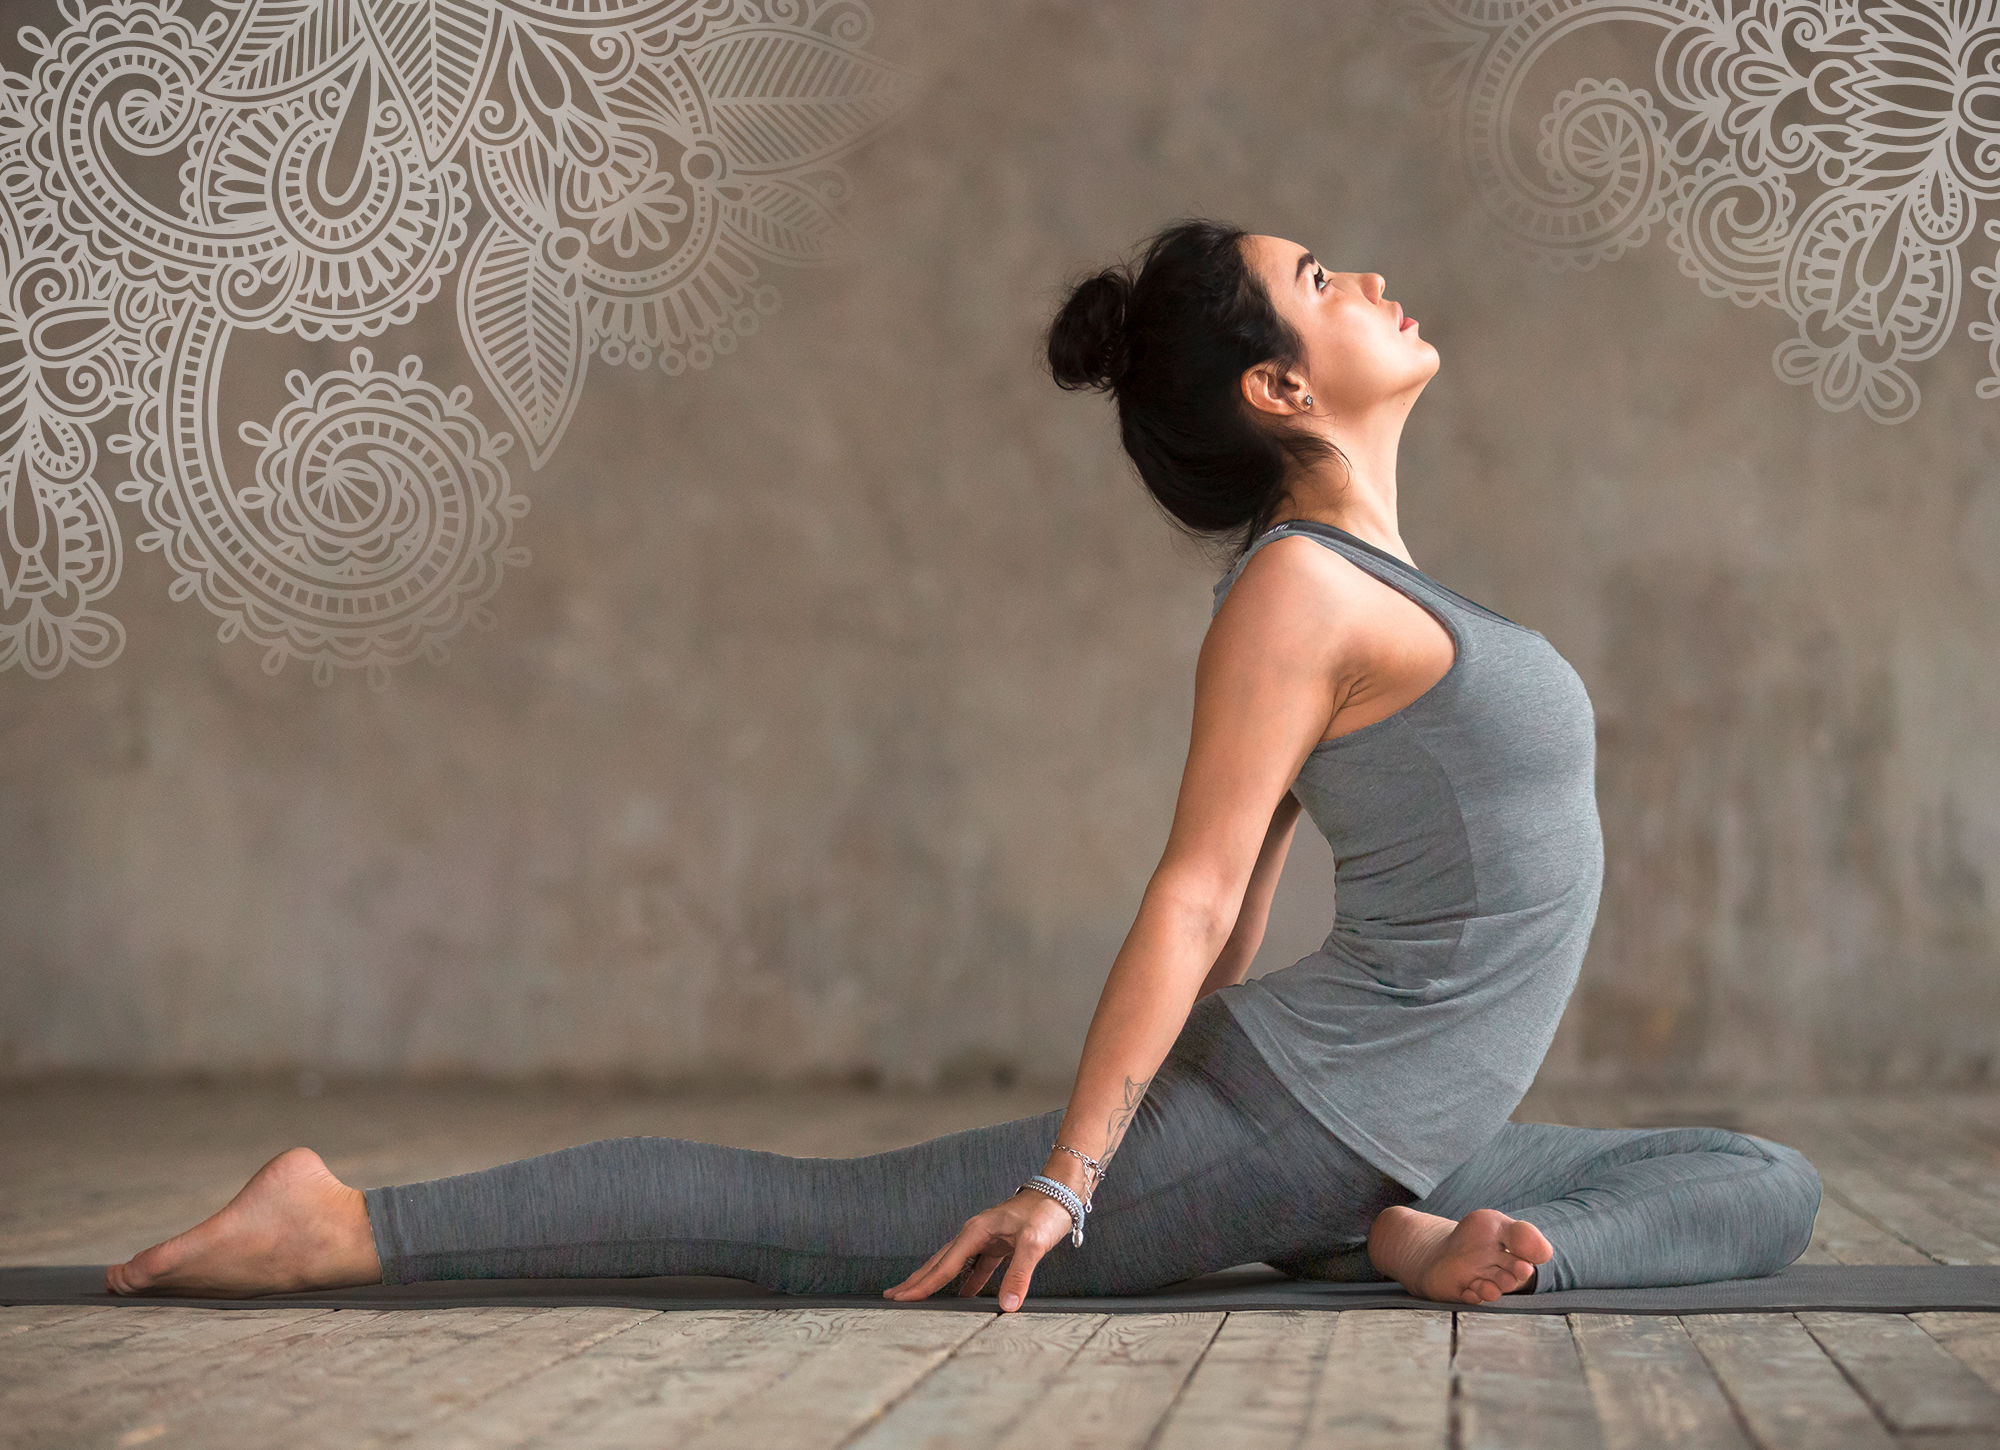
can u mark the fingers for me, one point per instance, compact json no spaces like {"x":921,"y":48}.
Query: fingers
{"x":906,"y":1288}
{"x":982,"y":1270}
{"x":927,"y":1280}
{"x":981,"y":1246}
{"x":939,"y":1268}
{"x":895,"y":1291}
{"x":1014,"y":1286}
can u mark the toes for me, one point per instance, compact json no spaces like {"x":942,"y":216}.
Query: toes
{"x":1526,"y":1242}
{"x":148,"y":1268}
{"x":126,"y":1278}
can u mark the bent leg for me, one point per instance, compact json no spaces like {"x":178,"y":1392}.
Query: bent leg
{"x":1633,"y":1207}
{"x":1220,"y":1166}
{"x":1625,"y":1207}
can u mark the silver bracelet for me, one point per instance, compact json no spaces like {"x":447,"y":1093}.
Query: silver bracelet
{"x":1065,"y":1195}
{"x":1096,"y":1167}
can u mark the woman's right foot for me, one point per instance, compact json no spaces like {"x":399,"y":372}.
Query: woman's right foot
{"x":292,"y":1226}
{"x":1472,"y":1260}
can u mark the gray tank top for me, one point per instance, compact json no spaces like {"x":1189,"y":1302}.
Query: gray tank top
{"x":1467,"y":864}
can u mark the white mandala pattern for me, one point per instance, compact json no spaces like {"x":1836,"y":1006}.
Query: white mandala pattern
{"x":1824,"y":157}
{"x":605,"y":177}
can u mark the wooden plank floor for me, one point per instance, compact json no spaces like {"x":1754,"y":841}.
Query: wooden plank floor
{"x":89,"y":1173}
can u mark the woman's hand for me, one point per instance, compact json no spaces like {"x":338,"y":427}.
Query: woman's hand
{"x":1020,"y":1230}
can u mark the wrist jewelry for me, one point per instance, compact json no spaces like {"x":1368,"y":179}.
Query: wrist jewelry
{"x":1096,"y":1167}
{"x":1065,"y":1195}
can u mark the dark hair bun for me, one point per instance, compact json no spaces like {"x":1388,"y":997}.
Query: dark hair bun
{"x":1173,"y":331}
{"x":1087,"y":345}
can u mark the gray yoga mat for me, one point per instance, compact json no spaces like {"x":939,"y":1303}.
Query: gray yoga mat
{"x":1885,"y":1288}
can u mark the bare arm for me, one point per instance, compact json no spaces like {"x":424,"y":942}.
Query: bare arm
{"x":1278,"y":658}
{"x":1271,"y":672}
{"x":1241,"y":948}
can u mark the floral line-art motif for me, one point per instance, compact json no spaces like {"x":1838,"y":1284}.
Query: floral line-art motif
{"x":1828,"y":158}
{"x":605,"y":178}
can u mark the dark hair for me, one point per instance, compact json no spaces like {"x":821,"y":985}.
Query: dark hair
{"x":1172,"y":344}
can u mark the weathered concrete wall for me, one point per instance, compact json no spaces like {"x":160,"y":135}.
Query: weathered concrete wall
{"x":836,"y":724}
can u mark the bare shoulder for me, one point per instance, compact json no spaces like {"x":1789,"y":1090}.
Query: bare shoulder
{"x":1295,"y":595}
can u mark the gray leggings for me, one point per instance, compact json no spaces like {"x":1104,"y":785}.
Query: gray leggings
{"x":1220,"y":1166}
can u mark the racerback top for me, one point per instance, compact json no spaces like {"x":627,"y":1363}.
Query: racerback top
{"x":1468,"y":859}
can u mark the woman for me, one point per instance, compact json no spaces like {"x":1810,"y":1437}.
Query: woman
{"x":1346,"y":1116}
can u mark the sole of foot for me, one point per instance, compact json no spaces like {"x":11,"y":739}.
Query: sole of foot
{"x":1472,"y":1260}
{"x":293,"y":1226}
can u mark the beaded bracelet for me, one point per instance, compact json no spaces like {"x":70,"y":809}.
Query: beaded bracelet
{"x":1065,"y":1195}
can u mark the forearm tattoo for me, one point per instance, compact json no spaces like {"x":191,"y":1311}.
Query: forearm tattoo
{"x":1121,"y":1116}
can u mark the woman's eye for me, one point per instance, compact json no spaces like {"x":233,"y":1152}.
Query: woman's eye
{"x":1319,"y":281}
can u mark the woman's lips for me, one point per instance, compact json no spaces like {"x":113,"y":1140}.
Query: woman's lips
{"x":1406,"y":324}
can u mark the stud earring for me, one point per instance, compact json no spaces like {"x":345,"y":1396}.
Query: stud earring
{"x":1309,"y":400}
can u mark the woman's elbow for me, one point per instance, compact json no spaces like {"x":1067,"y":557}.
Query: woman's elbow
{"x":1196,"y":902}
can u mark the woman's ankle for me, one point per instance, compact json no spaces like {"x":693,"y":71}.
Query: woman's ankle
{"x":1396,"y":1231}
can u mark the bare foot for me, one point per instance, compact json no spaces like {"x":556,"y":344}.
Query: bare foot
{"x":292,"y":1226}
{"x":1471,"y":1261}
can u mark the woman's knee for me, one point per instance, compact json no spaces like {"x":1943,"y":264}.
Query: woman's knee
{"x":1785,"y":1203}
{"x":1795,"y":1194}
{"x":1766,"y":1209}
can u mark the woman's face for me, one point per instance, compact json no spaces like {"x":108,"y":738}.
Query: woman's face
{"x":1360,"y":350}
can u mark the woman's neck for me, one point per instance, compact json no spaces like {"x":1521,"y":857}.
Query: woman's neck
{"x":1368,"y":513}
{"x":1359,"y":495}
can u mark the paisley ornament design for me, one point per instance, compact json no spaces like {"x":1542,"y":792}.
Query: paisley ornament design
{"x":1828,"y":158}
{"x":603,"y":178}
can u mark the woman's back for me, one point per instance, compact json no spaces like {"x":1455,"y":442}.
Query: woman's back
{"x":1468,"y":863}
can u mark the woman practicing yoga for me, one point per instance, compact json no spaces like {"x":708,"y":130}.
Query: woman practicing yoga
{"x":1346,"y":1116}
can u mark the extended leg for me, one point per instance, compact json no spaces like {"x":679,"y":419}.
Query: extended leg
{"x":638,"y":1206}
{"x":1219,"y":1167}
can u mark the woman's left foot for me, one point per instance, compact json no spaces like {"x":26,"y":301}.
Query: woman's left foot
{"x":292,"y":1226}
{"x":1473,"y":1260}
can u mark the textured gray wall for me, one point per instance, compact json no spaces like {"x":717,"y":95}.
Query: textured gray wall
{"x":835,"y":726}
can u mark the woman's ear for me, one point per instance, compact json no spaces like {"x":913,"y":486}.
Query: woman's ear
{"x":1270,"y":390}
